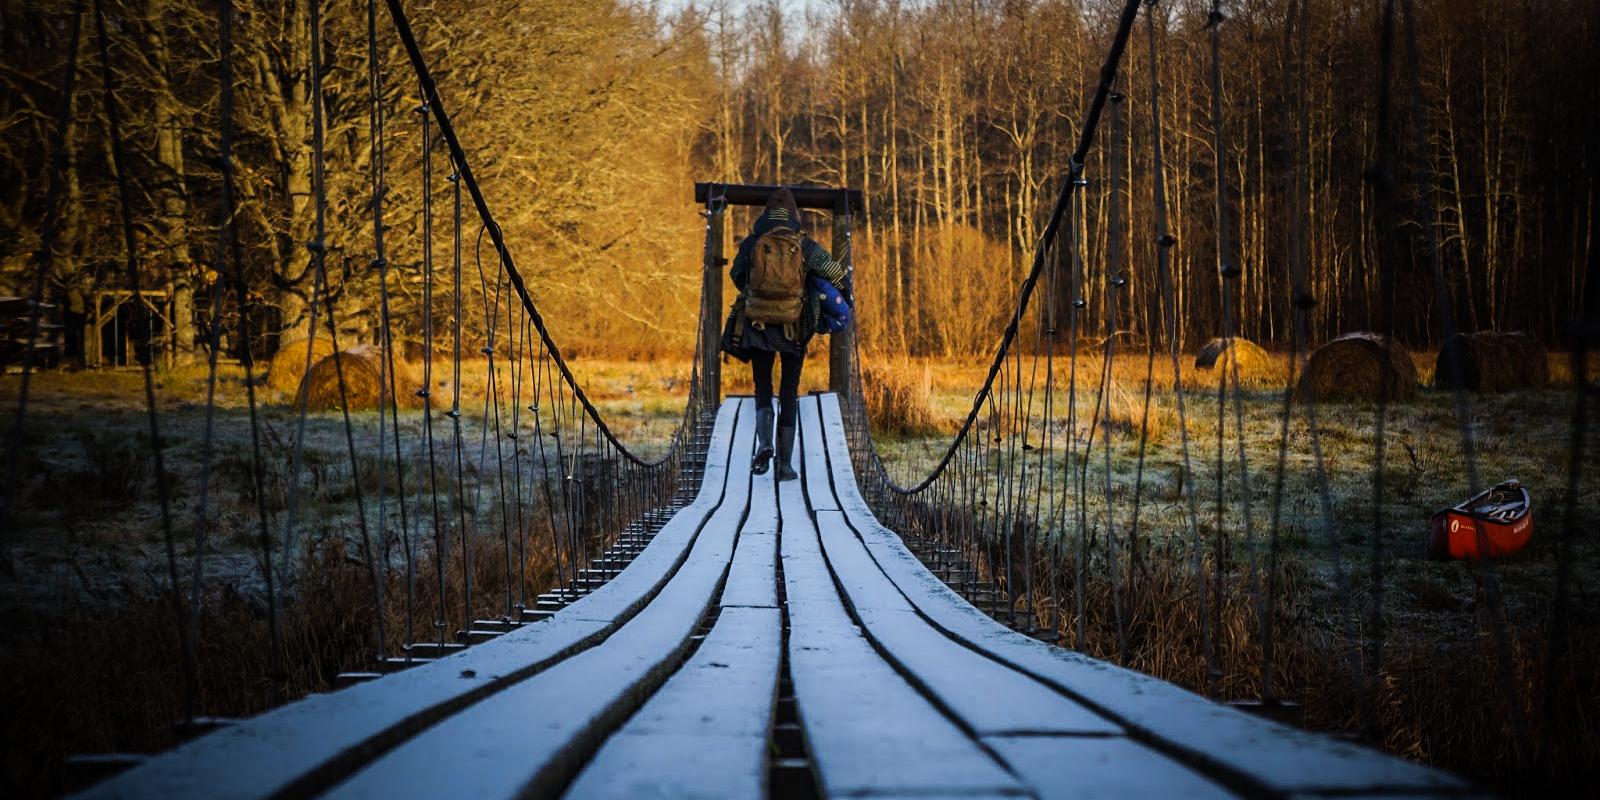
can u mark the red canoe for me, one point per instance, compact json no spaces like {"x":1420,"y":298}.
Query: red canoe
{"x":1503,"y":515}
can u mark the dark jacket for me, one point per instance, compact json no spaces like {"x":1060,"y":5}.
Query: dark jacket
{"x":818,"y":262}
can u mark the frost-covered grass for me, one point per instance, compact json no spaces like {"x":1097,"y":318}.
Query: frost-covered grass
{"x":89,"y":554}
{"x":1441,"y":690}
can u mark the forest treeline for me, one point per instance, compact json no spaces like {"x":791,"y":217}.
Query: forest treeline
{"x":586,"y":123}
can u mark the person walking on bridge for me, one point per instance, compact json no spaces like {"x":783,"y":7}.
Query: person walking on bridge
{"x":790,"y":289}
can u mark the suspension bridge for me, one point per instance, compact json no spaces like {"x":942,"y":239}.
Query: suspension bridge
{"x":718,"y":633}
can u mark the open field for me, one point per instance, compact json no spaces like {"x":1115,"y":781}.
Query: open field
{"x":91,"y":572}
{"x":1440,"y":696}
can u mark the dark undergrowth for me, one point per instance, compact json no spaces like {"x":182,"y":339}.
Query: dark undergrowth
{"x":1439,"y":698}
{"x":85,"y":678}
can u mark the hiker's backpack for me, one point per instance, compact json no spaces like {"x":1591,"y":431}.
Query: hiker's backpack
{"x":776,"y":288}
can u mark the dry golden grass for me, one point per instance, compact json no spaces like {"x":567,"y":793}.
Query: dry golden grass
{"x":1130,"y":413}
{"x":900,"y":400}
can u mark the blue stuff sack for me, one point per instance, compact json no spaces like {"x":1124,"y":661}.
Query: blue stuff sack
{"x":835,"y":309}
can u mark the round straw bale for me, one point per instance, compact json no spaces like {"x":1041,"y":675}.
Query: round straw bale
{"x":288,"y":365}
{"x":1533,"y":361}
{"x":1254,"y":363}
{"x":1357,"y":367}
{"x":1488,"y":361}
{"x":364,"y":380}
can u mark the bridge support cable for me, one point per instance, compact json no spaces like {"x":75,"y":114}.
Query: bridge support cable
{"x":1227,"y":285}
{"x":213,"y":345}
{"x":1165,"y":241}
{"x":130,"y":244}
{"x":319,"y":248}
{"x":1077,"y":225}
{"x":1301,"y":302}
{"x":1381,"y":176}
{"x":229,"y":255}
{"x":1557,"y":669}
{"x":440,"y":551}
{"x":388,"y":402}
{"x":455,"y":395}
{"x":46,"y":261}
{"x":1116,"y":279}
{"x":1415,"y":159}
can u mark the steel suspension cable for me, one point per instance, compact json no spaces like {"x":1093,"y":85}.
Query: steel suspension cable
{"x":454,"y":413}
{"x":46,"y":257}
{"x":434,"y":106}
{"x":1108,"y":71}
{"x":491,"y":315}
{"x":119,"y":162}
{"x":319,"y":249}
{"x":1490,"y":577}
{"x":440,"y":556}
{"x":1229,"y":271}
{"x":229,"y":253}
{"x":1114,"y":270}
{"x":1300,"y":303}
{"x":1080,"y":557}
{"x":1303,"y":301}
{"x":1165,"y":241}
{"x":389,"y":404}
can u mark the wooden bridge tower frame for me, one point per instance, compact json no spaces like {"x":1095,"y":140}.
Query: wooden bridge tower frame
{"x":842,"y":203}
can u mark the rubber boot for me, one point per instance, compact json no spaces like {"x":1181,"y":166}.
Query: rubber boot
{"x":763,"y":457}
{"x":785,"y":451}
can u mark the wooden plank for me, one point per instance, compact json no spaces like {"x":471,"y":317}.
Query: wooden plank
{"x":533,"y":737}
{"x":752,"y":579}
{"x":1081,"y":768}
{"x":1213,"y":736}
{"x":751,"y":582}
{"x":867,"y":730}
{"x":704,"y":734}
{"x":819,"y":481}
{"x":302,"y":747}
{"x":945,"y":669}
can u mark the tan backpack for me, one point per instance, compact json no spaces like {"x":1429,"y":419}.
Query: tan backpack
{"x":777,"y":282}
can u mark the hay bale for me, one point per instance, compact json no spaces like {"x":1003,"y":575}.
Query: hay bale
{"x":364,"y":383}
{"x":1489,"y":361}
{"x":1533,"y":361}
{"x":1357,"y":367}
{"x":1254,"y":363}
{"x":288,"y":365}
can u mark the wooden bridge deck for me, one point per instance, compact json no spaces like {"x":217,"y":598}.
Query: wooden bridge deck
{"x":756,"y":603}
